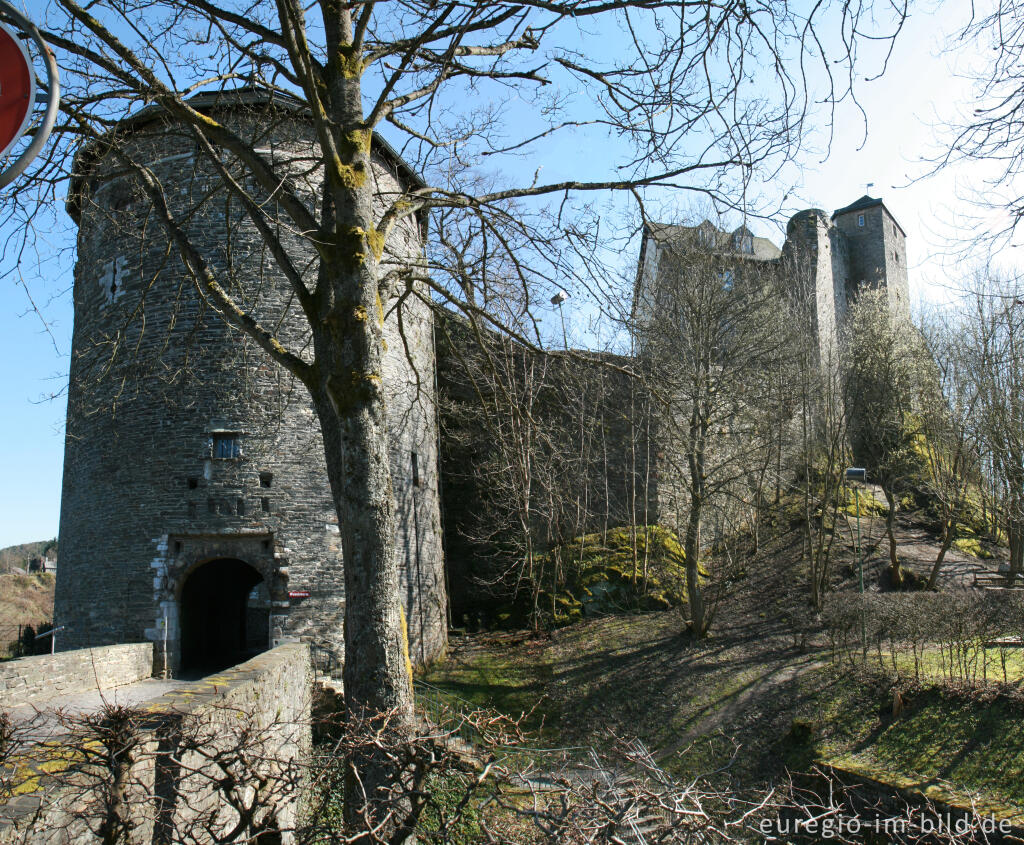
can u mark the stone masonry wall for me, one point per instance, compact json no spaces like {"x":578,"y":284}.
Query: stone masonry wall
{"x":157,"y":376}
{"x":31,"y":680}
{"x":254,"y":718}
{"x":593,"y":466}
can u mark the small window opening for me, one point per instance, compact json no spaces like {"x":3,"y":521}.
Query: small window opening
{"x":240,"y":507}
{"x":193,"y":483}
{"x":265,"y":504}
{"x":177,"y":547}
{"x":415,"y":470}
{"x":211,"y":505}
{"x":860,"y":219}
{"x":226,"y":445}
{"x":112,"y":278}
{"x":266,"y":479}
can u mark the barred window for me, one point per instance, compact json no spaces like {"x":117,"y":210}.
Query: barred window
{"x":227,"y":444}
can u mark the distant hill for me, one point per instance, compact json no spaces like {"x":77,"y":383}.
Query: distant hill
{"x":24,"y":600}
{"x":17,"y":557}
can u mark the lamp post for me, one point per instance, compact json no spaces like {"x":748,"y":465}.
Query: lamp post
{"x":859,"y":474}
{"x":558,"y":299}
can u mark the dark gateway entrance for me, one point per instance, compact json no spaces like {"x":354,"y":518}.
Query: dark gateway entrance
{"x":225,"y":616}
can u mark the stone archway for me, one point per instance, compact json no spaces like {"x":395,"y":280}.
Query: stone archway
{"x":224,"y":611}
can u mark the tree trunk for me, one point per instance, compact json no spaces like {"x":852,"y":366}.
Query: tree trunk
{"x":691,"y":550}
{"x":348,"y":338}
{"x":691,"y":543}
{"x":895,"y":573}
{"x":948,"y":536}
{"x":1015,"y":538}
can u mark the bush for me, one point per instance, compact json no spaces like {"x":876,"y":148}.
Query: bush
{"x":949,"y":635}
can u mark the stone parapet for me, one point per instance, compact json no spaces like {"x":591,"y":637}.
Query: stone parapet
{"x":33,"y":680}
{"x":176,"y":769}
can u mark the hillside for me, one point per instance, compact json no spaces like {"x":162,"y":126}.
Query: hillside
{"x":12,"y":557}
{"x":26,"y":599}
{"x":764,"y":682}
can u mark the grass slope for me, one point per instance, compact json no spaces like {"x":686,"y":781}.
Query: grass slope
{"x":749,"y":686}
{"x":958,"y":750}
{"x":24,"y":600}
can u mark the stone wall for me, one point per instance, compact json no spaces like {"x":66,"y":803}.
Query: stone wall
{"x":240,"y":736}
{"x":590,"y":443}
{"x":877,"y":253}
{"x":31,"y":680}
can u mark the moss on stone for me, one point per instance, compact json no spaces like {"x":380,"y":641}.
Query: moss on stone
{"x":629,"y":569}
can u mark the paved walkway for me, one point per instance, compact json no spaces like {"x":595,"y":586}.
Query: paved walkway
{"x":44,"y":720}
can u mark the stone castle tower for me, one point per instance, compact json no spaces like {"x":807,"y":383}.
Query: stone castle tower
{"x":196,"y":509}
{"x":825,"y":259}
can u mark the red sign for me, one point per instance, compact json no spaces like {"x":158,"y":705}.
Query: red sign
{"x":17,"y":89}
{"x":298,"y":594}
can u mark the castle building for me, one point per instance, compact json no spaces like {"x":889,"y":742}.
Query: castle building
{"x":196,"y":508}
{"x":824,"y":259}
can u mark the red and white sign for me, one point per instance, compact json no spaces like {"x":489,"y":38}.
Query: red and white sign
{"x":17,"y":89}
{"x":298,"y":594}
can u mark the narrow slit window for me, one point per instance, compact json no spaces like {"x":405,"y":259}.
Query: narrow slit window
{"x":240,"y":507}
{"x":415,"y":470}
{"x":860,"y":219}
{"x":265,"y":504}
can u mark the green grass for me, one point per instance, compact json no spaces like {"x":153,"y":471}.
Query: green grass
{"x":510,"y":680}
{"x":933,"y":665}
{"x":692,"y":704}
{"x":950,"y":749}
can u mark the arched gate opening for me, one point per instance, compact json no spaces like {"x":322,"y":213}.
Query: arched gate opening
{"x":225,"y":616}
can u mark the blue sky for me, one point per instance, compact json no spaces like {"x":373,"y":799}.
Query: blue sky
{"x":904,"y":110}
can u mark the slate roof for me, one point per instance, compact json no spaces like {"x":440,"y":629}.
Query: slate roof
{"x":707,"y":235}
{"x":866,"y":202}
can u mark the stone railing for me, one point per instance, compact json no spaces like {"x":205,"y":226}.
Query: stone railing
{"x":33,"y":680}
{"x":220,"y":759}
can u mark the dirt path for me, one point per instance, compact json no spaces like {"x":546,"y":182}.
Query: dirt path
{"x":729,"y":712}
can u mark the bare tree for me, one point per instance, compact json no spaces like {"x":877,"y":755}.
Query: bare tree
{"x":992,"y":132}
{"x":950,"y":400}
{"x":885,"y":361}
{"x":708,"y":332}
{"x":545,"y":447}
{"x":816,"y":429}
{"x":994,"y":346}
{"x":696,"y":95}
